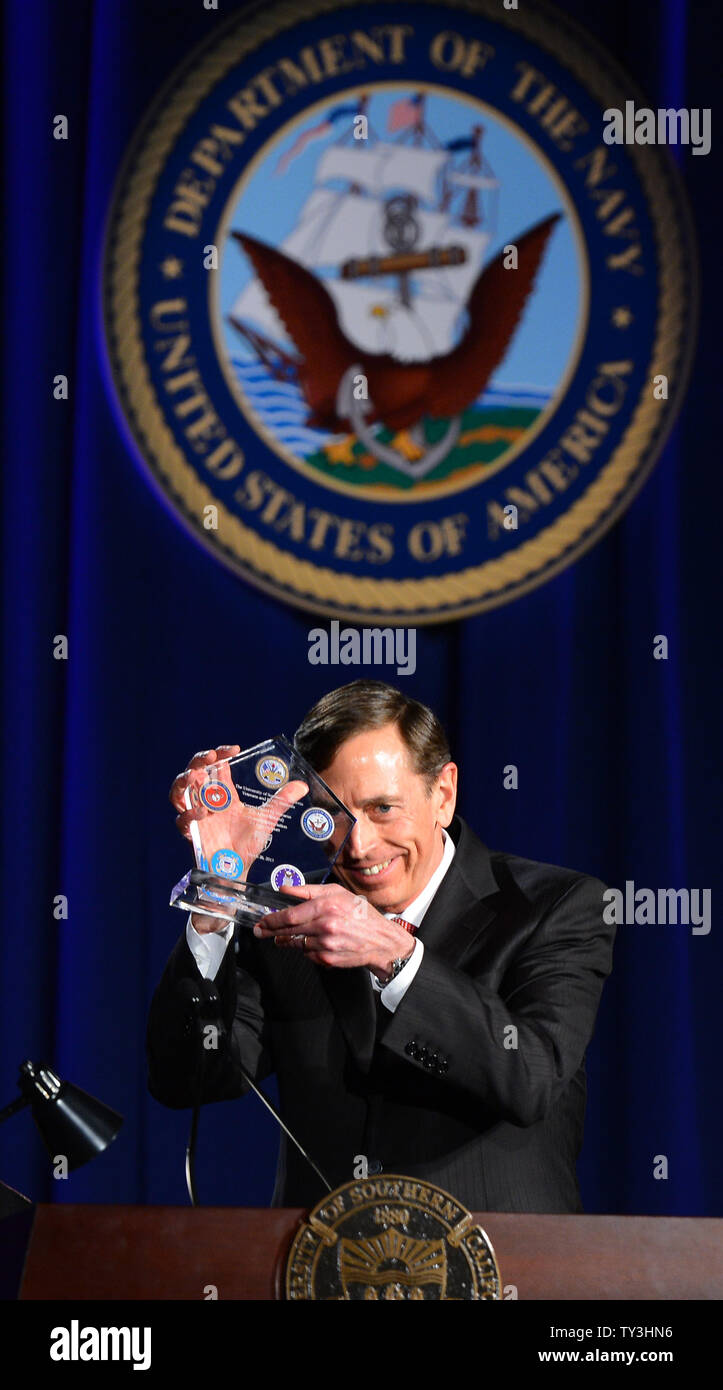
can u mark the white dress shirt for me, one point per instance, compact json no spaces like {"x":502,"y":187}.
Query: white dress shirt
{"x":208,"y":950}
{"x":393,"y":993}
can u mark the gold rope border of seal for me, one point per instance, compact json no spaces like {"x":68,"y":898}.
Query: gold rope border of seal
{"x":319,"y":588}
{"x":313,"y":1235}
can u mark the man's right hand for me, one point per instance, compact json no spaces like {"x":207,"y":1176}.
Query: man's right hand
{"x":244,"y":829}
{"x":194,"y":775}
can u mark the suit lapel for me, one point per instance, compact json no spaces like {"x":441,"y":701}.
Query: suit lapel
{"x":462,"y":907}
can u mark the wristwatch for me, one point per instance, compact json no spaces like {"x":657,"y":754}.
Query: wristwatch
{"x":397,"y":964}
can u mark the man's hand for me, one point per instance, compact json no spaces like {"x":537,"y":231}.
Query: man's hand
{"x":244,"y":829}
{"x":193,"y":776}
{"x":335,"y":927}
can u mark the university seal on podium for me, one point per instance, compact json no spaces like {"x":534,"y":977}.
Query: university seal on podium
{"x":388,"y":1238}
{"x":396,"y":333}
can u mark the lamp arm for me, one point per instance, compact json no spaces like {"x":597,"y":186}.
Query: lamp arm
{"x":13,"y":1107}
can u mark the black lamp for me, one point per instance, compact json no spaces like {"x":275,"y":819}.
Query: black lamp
{"x":70,"y":1121}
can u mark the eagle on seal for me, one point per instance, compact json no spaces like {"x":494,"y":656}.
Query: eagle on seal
{"x":400,"y":393}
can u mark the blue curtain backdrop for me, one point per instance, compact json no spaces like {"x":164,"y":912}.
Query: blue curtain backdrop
{"x":619,"y":754}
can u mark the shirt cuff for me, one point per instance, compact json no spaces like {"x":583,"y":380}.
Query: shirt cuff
{"x":208,"y":950}
{"x":393,"y":993}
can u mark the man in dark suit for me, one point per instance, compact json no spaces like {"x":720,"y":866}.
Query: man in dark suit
{"x":427,"y":1011}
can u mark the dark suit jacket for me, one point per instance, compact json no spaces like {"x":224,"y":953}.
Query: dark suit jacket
{"x":476,"y":1082}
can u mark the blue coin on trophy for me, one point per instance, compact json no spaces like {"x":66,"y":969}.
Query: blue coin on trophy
{"x":317,"y":823}
{"x":227,"y":864}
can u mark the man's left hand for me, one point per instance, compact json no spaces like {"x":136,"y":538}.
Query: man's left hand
{"x":335,"y":927}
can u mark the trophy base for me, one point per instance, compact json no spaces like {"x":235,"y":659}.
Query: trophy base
{"x":210,"y":896}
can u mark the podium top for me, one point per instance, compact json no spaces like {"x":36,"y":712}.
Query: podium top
{"x":128,"y":1252}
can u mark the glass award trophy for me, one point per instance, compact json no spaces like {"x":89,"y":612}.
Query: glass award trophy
{"x":264,"y":820}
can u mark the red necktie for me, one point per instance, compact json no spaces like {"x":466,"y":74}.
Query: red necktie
{"x":408,"y":926}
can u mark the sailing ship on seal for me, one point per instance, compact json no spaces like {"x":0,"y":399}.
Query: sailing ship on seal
{"x":395,"y":232}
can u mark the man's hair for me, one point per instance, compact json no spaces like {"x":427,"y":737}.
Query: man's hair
{"x":362,"y":705}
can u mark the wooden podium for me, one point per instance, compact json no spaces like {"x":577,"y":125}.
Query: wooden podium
{"x":125,"y":1252}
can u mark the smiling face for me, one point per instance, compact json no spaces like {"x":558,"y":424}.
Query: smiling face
{"x":397,"y":841}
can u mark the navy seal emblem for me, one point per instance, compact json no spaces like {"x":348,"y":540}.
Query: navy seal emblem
{"x":316,"y":823}
{"x":396,"y":333}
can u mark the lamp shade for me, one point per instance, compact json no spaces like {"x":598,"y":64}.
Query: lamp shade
{"x":70,"y":1122}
